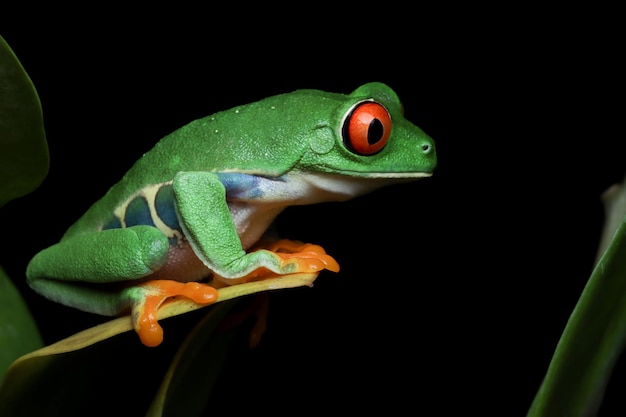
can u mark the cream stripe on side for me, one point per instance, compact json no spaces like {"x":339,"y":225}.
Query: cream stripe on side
{"x":149,"y":192}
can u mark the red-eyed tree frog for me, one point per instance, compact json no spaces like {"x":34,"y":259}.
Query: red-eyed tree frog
{"x":193,"y":210}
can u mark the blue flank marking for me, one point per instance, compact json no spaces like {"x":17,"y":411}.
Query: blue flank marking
{"x":138,"y":212}
{"x":164,"y":204}
{"x":240,"y":186}
{"x":114,"y":223}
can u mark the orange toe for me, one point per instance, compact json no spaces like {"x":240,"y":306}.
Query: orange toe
{"x":155,"y":293}
{"x":310,"y":257}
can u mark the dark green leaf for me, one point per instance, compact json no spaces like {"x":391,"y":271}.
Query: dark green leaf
{"x":18,"y":332}
{"x":74,"y":375}
{"x":118,"y":375}
{"x":188,"y":383}
{"x":591,"y":343}
{"x":24,"y":156}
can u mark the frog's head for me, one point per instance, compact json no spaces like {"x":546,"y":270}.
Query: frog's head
{"x":346,"y":144}
{"x":366,"y":137}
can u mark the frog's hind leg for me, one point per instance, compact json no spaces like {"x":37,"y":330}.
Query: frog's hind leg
{"x":107,"y":273}
{"x":76,"y":271}
{"x":147,"y":297}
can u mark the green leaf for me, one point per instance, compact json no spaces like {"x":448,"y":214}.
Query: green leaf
{"x":18,"y":332}
{"x":187,"y":385}
{"x":24,"y":158}
{"x":173,"y":308}
{"x":119,"y":375}
{"x":592,"y":341}
{"x":75,"y":373}
{"x":614,"y":201}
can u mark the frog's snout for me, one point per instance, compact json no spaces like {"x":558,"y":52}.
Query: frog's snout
{"x":427,"y":148}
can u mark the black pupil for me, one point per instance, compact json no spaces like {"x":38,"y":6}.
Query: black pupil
{"x":375,"y":131}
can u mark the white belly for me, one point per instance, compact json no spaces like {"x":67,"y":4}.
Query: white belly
{"x":252,"y":220}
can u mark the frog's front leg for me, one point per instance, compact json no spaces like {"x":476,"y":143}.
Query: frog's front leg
{"x":208,"y":225}
{"x":285,"y":249}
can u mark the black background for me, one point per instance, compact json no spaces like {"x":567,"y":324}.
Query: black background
{"x":454,"y":290}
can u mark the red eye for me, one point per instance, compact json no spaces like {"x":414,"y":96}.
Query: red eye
{"x":367,"y":128}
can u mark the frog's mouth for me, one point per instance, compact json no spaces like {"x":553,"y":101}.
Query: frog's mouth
{"x":390,"y":176}
{"x":396,"y":175}
{"x":344,"y":186}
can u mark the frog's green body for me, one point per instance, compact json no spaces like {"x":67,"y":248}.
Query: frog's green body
{"x":196,"y":203}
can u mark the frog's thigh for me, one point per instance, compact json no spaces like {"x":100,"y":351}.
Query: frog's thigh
{"x":104,"y":256}
{"x":96,"y":258}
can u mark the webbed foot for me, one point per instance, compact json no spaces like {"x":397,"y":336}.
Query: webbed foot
{"x":301,"y":257}
{"x":148,"y":297}
{"x":310,"y":257}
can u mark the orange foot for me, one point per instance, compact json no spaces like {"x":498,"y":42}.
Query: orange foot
{"x":289,"y":249}
{"x":308,"y":258}
{"x":152,"y":294}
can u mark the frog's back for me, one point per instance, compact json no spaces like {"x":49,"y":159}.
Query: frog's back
{"x":226,"y":140}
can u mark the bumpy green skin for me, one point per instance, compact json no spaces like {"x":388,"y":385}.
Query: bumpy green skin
{"x":291,"y":149}
{"x":294,"y":131}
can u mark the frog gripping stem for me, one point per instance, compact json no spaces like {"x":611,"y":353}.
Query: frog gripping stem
{"x":200,"y":202}
{"x":149,"y":296}
{"x":294,"y":256}
{"x":313,"y":256}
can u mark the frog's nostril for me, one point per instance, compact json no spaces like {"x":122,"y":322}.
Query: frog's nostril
{"x":426,"y":148}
